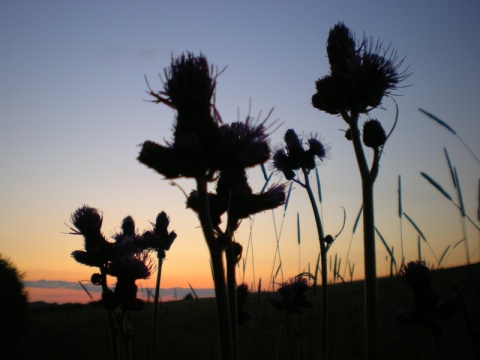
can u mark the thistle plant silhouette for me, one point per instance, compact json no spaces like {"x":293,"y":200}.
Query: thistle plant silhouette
{"x":289,"y":159}
{"x":127,"y":259}
{"x":291,"y":300}
{"x":429,"y":312}
{"x":205,"y":149}
{"x":361,"y":74}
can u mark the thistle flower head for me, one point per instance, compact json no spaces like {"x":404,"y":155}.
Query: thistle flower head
{"x":361,"y":74}
{"x":128,"y":226}
{"x":132,"y":267}
{"x":373,"y":134}
{"x":159,"y":239}
{"x":87,"y":220}
{"x":292,"y":296}
{"x":244,"y":144}
{"x":294,"y":156}
{"x":416,"y":275}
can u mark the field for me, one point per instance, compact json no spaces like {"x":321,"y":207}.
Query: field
{"x":187,"y":329}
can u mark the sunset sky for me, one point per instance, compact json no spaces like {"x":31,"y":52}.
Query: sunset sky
{"x":73,"y":112}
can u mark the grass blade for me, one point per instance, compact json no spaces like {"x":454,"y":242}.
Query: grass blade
{"x":436,"y":185}
{"x":443,"y":255}
{"x":459,"y":191}
{"x":419,"y":249}
{"x":390,"y":252}
{"x":450,"y":167}
{"x":298,"y":228}
{"x":288,"y":199}
{"x":351,"y":269}
{"x":266,"y":183}
{"x":264,"y":171}
{"x":356,"y":220}
{"x":416,"y":227}
{"x":86,"y":290}
{"x":449,"y":128}
{"x":440,"y":122}
{"x":317,"y":268}
{"x":335,"y":269}
{"x":458,"y":243}
{"x":193,"y":291}
{"x":400,"y":211}
{"x":478,"y":211}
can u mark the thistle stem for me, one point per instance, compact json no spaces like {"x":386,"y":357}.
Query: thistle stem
{"x":111,"y":325}
{"x":216,"y":255}
{"x":232,"y":298}
{"x":155,"y":305}
{"x":368,"y":178}
{"x":323,"y":256}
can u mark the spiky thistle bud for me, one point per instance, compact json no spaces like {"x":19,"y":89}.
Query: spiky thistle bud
{"x":373,"y":134}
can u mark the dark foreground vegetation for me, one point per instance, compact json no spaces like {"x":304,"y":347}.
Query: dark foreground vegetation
{"x":187,"y":329}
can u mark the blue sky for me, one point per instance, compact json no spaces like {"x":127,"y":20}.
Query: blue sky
{"x":72,"y":113}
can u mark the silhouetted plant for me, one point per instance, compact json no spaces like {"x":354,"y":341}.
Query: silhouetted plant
{"x":429,"y":312}
{"x":289,"y":159}
{"x":292,"y":300}
{"x":361,"y":74}
{"x":203,"y":149}
{"x":13,"y":305}
{"x":158,"y":239}
{"x":127,"y":259}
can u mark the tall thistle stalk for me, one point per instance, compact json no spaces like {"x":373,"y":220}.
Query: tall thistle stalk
{"x":361,"y":74}
{"x":206,"y":150}
{"x":160,"y":240}
{"x":288,"y":159}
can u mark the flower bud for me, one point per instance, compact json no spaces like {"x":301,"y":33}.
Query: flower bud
{"x":373,"y":134}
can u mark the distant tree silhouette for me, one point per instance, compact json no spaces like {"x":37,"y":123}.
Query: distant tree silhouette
{"x":13,"y":305}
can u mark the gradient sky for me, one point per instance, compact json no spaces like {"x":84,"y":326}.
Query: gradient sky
{"x":72,"y":114}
